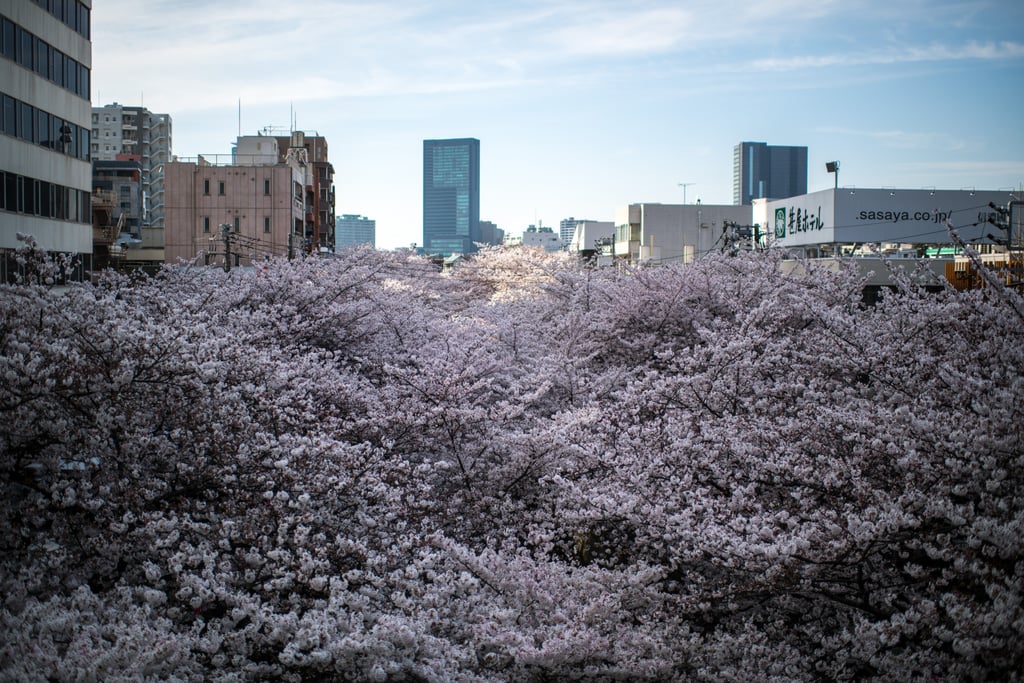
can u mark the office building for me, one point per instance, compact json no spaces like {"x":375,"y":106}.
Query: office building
{"x":45,"y":174}
{"x":567,"y":228}
{"x":451,"y":196}
{"x":354,"y":230}
{"x":118,"y":130}
{"x":491,"y":234}
{"x":763,"y":171}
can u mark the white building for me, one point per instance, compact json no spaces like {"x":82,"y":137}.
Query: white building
{"x":675,"y":233}
{"x":535,"y":236}
{"x":45,"y":62}
{"x":838,"y":219}
{"x":590,"y":236}
{"x":118,"y":130}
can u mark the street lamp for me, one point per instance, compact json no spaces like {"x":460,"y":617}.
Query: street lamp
{"x":833,"y":167}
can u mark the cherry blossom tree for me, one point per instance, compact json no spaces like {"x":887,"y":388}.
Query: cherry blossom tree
{"x":359,"y":468}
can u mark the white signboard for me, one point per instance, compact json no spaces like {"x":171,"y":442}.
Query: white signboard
{"x":881,"y":215}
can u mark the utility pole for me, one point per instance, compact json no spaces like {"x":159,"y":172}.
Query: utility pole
{"x":225,"y":235}
{"x":684,"y":186}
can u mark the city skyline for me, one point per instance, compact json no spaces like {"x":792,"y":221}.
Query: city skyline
{"x":582,"y":107}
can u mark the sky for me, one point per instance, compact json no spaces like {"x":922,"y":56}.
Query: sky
{"x":582,"y":106}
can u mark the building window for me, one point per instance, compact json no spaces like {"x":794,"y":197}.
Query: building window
{"x":266,"y":224}
{"x":10,"y":115}
{"x":236,"y":221}
{"x":266,"y":186}
{"x":220,"y":188}
{"x":206,"y":224}
{"x":206,"y":186}
{"x":8,"y":39}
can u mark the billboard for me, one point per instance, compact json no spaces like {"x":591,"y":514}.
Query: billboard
{"x":855,"y":215}
{"x":806,"y":219}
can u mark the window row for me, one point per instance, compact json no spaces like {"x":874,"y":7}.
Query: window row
{"x":236,"y":224}
{"x":37,"y":55}
{"x":221,"y":187}
{"x":71,"y":12}
{"x":22,"y":120}
{"x":31,"y":196}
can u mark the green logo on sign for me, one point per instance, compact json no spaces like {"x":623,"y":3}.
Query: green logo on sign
{"x":780,"y":223}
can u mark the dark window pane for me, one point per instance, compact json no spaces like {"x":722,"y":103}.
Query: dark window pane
{"x":11,"y":191}
{"x":27,"y":205}
{"x":3,"y":191}
{"x":83,"y":81}
{"x":71,"y":139}
{"x":60,"y":208}
{"x":8,"y":37}
{"x":71,"y":75}
{"x":44,"y":198}
{"x":71,"y":13}
{"x":83,"y":144}
{"x":42,"y":132}
{"x":24,"y":48}
{"x":42,"y":59}
{"x":10,"y":116}
{"x":57,"y":67}
{"x":83,"y":20}
{"x":24,"y":121}
{"x":55,"y":125}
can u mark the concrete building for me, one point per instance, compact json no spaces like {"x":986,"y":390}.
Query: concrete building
{"x":567,"y":228}
{"x":536,"y":236}
{"x":117,"y":130}
{"x":252,"y":204}
{"x":491,"y":234}
{"x":674,"y":233}
{"x":354,"y":230}
{"x":119,"y":238}
{"x":451,"y":196}
{"x":319,"y":221}
{"x":592,"y":238}
{"x":760,"y":170}
{"x":45,"y":174}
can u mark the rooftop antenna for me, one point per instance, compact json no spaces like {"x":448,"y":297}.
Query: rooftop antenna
{"x":239,"y":117}
{"x":684,"y":186}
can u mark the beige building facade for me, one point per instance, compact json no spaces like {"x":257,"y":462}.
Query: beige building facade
{"x":253,"y":207}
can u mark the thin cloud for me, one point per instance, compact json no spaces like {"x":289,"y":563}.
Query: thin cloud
{"x":1003,"y":50}
{"x":901,"y":138}
{"x":977,"y":169}
{"x":655,"y":30}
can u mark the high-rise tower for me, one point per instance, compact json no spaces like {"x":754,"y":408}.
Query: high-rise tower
{"x":768,"y":171}
{"x":451,"y":195}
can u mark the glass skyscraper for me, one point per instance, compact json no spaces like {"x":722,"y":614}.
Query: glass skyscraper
{"x":760,"y":170}
{"x":451,"y":195}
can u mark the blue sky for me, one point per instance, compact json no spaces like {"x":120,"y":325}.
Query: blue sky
{"x":583,"y":106}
